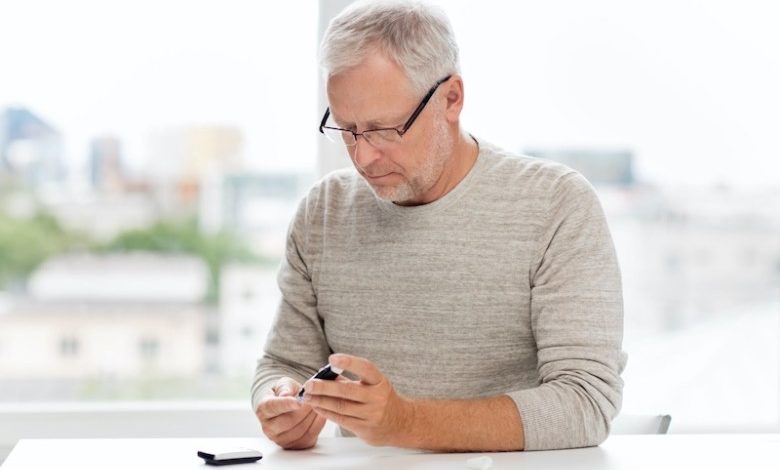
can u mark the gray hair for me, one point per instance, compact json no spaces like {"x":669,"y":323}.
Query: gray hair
{"x":417,"y":36}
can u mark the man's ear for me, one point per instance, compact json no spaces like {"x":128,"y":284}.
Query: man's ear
{"x":454,"y":94}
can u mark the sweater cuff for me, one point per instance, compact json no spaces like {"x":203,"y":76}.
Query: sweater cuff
{"x":540,"y":418}
{"x":262,"y":390}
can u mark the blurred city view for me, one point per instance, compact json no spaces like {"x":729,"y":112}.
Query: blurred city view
{"x":140,"y":286}
{"x":138,"y":262}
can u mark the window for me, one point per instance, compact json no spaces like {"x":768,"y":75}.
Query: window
{"x":155,"y":174}
{"x":136,"y":169}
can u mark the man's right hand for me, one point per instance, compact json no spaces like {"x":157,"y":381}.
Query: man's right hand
{"x":287,"y":422}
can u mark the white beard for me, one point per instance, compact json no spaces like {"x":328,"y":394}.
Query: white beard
{"x":438,"y":152}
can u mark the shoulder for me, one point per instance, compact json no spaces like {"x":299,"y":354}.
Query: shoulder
{"x":334,"y":192}
{"x":340,"y":185}
{"x":529,"y":177}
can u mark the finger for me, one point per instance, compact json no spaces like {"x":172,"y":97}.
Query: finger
{"x":286,"y":387}
{"x":347,"y":422}
{"x":286,"y":421}
{"x":309,"y":438}
{"x":274,"y":406}
{"x":285,"y":430}
{"x":337,"y":405}
{"x":297,"y":430}
{"x":369,"y":374}
{"x":352,"y":391}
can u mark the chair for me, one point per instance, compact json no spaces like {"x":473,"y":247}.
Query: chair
{"x":641,"y":424}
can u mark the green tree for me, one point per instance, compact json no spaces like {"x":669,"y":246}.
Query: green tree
{"x":184,"y":237}
{"x":25,"y":243}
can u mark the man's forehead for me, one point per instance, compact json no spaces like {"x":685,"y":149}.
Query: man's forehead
{"x":374,"y":92}
{"x":374,"y":108}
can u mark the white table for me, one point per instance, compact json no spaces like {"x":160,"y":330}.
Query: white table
{"x":711,"y":452}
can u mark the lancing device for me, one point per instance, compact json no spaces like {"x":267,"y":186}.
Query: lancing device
{"x":328,"y":372}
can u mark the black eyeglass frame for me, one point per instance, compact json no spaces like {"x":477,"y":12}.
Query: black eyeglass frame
{"x":403,"y":129}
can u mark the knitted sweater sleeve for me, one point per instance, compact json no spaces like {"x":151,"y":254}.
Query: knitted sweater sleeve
{"x":577,"y":322}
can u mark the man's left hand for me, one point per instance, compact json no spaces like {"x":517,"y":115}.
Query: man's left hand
{"x":369,"y":407}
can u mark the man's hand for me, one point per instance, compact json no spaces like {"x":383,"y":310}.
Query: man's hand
{"x":286,"y":421}
{"x":369,"y":407}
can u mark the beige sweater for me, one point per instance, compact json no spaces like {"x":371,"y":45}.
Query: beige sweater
{"x":508,"y":284}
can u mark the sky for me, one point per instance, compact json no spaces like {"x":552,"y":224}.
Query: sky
{"x":688,"y":86}
{"x":137,"y":67}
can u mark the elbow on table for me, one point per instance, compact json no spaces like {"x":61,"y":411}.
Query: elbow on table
{"x":595,"y":423}
{"x":597,"y":435}
{"x":600,"y":425}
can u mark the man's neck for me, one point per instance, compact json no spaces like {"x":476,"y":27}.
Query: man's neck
{"x":464,"y":155}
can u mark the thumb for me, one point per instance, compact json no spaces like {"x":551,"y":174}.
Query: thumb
{"x":286,"y":387}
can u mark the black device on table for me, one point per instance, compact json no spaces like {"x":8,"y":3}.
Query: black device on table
{"x":230,"y":456}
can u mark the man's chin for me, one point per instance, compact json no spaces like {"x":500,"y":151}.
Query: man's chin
{"x":398,"y":194}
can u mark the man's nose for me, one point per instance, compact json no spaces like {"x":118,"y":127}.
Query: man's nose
{"x":365,"y":154}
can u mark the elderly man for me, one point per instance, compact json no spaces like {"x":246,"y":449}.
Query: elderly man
{"x":472,"y":296}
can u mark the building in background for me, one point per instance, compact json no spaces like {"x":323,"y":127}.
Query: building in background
{"x":115,"y":201}
{"x":106,"y":317}
{"x":180,"y":159}
{"x":30,"y":149}
{"x":182,"y":162}
{"x":102,"y":216}
{"x":248,"y":302}
{"x":599,"y":166}
{"x":689,"y":256}
{"x":257,"y":207}
{"x":105,"y":165}
{"x":686,"y":255}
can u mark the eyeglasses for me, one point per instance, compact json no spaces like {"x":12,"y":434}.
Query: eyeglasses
{"x":376,"y":137}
